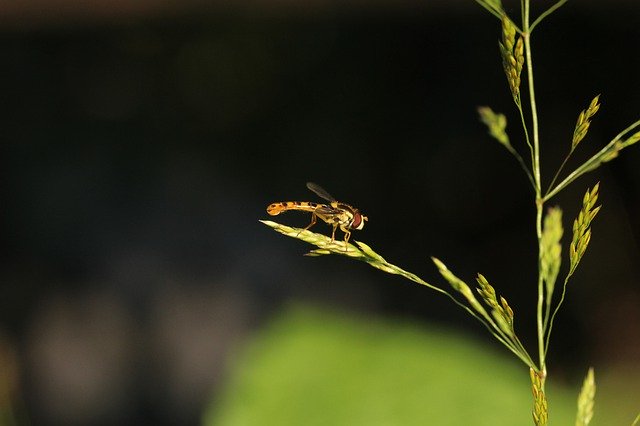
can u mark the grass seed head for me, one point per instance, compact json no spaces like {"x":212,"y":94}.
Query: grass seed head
{"x":582,"y":227}
{"x":540,"y":410}
{"x":586,"y":400}
{"x":512,"y":54}
{"x":496,"y":124}
{"x":584,"y":121}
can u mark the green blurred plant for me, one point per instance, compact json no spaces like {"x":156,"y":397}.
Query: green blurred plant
{"x":492,"y":311}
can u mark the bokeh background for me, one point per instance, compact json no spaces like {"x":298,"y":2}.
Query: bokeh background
{"x":141,"y":143}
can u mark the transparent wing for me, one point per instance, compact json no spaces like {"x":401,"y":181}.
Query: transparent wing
{"x":324,"y":210}
{"x":320,"y":191}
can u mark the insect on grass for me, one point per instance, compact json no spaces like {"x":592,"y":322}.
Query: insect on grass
{"x":337,"y":214}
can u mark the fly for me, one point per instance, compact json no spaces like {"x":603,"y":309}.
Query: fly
{"x":337,"y":214}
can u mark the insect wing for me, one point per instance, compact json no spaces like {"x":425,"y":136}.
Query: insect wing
{"x":325,"y":210}
{"x":320,"y":191}
{"x":329,"y":214}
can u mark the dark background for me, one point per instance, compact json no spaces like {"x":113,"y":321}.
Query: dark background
{"x":140,"y":146}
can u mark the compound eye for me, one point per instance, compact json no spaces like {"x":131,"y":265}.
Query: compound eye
{"x":357,"y":223}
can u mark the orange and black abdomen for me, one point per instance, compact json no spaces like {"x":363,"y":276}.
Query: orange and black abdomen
{"x":277,"y":208}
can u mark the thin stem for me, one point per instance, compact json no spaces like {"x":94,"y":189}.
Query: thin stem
{"x":555,"y":311}
{"x":584,"y":168}
{"x":534,"y":109}
{"x":536,"y":174}
{"x":547,"y":312}
{"x":555,"y":177}
{"x":522,"y":164}
{"x":625,"y":131}
{"x":547,"y":13}
{"x":527,"y":139}
{"x":522,"y":350}
{"x":489,"y":8}
{"x":540,"y":305}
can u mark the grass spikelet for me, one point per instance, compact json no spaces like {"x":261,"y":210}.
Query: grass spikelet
{"x":508,"y":33}
{"x":507,"y":309}
{"x":550,"y":257}
{"x":582,"y":228}
{"x":584,"y":121}
{"x":512,"y":54}
{"x":487,"y":292}
{"x":501,"y":318}
{"x":579,"y":132}
{"x":540,"y":410}
{"x":460,"y":286}
{"x":501,"y":312}
{"x":324,"y":243}
{"x":497,"y":125}
{"x":618,"y":146}
{"x":634,"y":138}
{"x":586,"y":400}
{"x":360,"y":251}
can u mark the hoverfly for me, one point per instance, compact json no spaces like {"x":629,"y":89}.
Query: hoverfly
{"x":336,"y":214}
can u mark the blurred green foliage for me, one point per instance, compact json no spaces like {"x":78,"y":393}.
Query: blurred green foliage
{"x":313,"y":367}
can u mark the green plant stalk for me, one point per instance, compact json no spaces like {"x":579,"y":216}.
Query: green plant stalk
{"x":526,"y":34}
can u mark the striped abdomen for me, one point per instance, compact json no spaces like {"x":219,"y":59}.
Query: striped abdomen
{"x":277,"y":208}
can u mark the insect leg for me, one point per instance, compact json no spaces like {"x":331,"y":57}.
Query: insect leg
{"x":333,"y":234}
{"x":347,"y":235}
{"x":313,"y":221}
